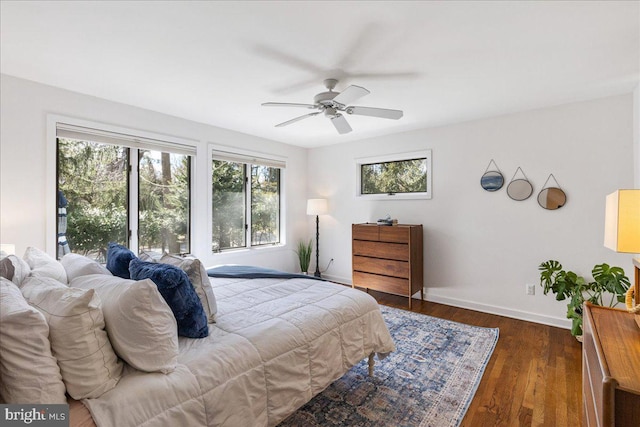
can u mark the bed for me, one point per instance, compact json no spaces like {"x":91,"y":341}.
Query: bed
{"x":276,"y":343}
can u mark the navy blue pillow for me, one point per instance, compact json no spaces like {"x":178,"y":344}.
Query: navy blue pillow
{"x":118,"y":258}
{"x":178,"y":292}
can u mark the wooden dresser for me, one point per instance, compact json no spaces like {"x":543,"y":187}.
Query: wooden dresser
{"x":610,"y":368}
{"x":388,"y":258}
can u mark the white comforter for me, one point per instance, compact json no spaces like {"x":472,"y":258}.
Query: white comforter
{"x":276,"y":344}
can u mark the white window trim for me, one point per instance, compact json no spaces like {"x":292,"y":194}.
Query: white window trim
{"x":394,"y":158}
{"x":51,"y":243}
{"x":248,"y":157}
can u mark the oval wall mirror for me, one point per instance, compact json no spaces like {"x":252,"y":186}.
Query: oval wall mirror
{"x":492,"y":181}
{"x":552,"y":198}
{"x":519,"y":189}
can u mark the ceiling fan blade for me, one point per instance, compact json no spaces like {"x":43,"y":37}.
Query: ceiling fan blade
{"x":288,"y":122}
{"x":341,"y":124}
{"x":287,"y":104}
{"x":375,"y":112}
{"x":350,"y":94}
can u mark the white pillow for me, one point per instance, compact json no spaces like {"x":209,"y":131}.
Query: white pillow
{"x":140,"y":324}
{"x":43,"y":265}
{"x":14,"y":268}
{"x":77,"y":265}
{"x":88,"y":364}
{"x":30,"y":373}
{"x":199,"y":279}
{"x":150,"y":256}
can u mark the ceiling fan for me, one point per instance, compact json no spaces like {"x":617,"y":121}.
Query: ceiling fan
{"x":333,"y":104}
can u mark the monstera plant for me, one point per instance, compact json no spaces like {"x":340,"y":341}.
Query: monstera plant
{"x":608,"y":288}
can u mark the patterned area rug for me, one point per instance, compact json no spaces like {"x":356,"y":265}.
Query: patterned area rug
{"x":428,"y":381}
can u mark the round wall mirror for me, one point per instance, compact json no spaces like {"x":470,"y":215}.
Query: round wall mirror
{"x":492,"y":181}
{"x":519,"y":189}
{"x":552,"y":198}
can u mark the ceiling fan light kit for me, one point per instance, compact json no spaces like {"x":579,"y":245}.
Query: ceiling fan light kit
{"x":333,"y":104}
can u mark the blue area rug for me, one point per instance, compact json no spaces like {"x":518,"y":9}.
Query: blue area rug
{"x":428,"y":381}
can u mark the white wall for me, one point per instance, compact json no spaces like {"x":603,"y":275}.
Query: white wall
{"x":481,"y":248}
{"x":24,"y":108}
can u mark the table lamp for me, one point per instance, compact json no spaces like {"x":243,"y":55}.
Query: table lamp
{"x":622,"y":234}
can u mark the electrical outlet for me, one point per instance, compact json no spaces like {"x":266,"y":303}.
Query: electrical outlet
{"x":531,"y":289}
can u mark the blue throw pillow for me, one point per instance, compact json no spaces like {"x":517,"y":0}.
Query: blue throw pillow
{"x":178,"y":292}
{"x":118,"y":258}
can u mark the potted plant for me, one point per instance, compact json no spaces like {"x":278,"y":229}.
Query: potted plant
{"x":608,"y":288}
{"x":304,"y":255}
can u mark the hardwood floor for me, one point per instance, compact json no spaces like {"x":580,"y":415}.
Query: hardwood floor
{"x":533,"y":377}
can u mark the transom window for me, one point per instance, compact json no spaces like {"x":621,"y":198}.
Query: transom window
{"x":399,"y":176}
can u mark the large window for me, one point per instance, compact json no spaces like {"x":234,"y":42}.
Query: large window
{"x":246,"y":206}
{"x":112,"y":190}
{"x":399,"y":176}
{"x":93,"y":182}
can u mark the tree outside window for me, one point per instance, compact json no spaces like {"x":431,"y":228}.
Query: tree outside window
{"x":94,"y":178}
{"x":236,"y":186}
{"x":406,"y":176}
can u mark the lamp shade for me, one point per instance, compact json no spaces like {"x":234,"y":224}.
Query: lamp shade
{"x":622,"y":221}
{"x":317,"y":206}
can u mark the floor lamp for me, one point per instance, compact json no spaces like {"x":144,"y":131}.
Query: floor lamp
{"x":317,"y":207}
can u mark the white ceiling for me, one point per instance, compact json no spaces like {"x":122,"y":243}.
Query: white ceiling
{"x":216,"y":62}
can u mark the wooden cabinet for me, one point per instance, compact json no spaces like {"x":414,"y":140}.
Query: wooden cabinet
{"x":388,"y":258}
{"x":610,"y":368}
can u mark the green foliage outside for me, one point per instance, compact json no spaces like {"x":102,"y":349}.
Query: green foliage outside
{"x":164,"y":202}
{"x":94,"y":180}
{"x":229,"y":205}
{"x":407,"y":176}
{"x":265,"y":205}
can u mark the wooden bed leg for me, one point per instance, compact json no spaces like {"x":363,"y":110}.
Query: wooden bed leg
{"x":371,"y":363}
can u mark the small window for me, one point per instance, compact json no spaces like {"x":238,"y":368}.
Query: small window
{"x":400,"y":176}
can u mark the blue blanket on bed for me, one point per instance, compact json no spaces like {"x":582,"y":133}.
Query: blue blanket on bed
{"x":252,"y":272}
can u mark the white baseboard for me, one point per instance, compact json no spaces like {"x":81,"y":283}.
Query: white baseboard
{"x":337,"y":279}
{"x":502,"y":311}
{"x":528,"y":316}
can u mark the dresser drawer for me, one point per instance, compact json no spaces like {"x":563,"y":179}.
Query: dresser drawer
{"x":386,"y":267}
{"x":392,"y":285}
{"x":397,"y":251}
{"x":381,"y":233}
{"x":365,"y":232}
{"x":394,"y":234}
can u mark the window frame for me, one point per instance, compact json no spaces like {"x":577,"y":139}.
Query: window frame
{"x":248,"y":158}
{"x":397,"y":157}
{"x":164,"y":142}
